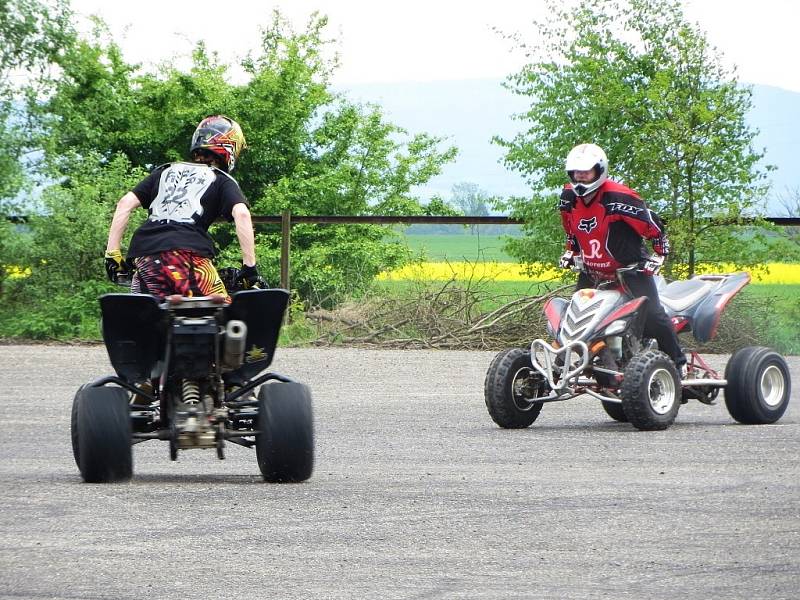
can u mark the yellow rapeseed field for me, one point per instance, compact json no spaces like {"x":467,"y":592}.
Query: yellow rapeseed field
{"x":497,"y":271}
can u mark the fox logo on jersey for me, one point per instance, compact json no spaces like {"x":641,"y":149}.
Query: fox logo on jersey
{"x":587,"y":224}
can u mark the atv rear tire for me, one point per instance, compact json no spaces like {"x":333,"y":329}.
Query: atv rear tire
{"x":101,"y":434}
{"x":73,"y":428}
{"x":759,"y":386}
{"x":285,"y":438}
{"x":615,"y":411}
{"x":651,"y":391}
{"x":511,"y":387}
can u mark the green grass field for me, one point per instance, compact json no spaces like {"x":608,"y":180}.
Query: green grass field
{"x":468,"y":247}
{"x":464,"y":247}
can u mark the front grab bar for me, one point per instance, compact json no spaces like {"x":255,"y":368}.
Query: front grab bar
{"x":565,"y":373}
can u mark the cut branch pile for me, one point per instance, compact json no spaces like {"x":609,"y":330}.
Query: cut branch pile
{"x":449,"y":315}
{"x":452,"y":315}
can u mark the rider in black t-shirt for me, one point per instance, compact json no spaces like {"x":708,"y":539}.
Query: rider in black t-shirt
{"x":172,"y":250}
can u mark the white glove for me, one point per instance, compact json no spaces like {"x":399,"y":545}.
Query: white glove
{"x":652,"y":265}
{"x":567,"y":259}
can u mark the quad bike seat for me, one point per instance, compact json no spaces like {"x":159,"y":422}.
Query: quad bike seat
{"x":701,"y":300}
{"x":680,"y":295}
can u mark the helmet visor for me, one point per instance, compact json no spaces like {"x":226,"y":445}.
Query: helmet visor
{"x":208,"y":129}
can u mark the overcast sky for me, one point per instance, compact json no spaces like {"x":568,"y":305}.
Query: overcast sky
{"x":416,"y":40}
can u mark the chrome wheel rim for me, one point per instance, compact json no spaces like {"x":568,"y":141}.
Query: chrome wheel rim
{"x":661,"y":391}
{"x":520,"y":384}
{"x":772,"y":385}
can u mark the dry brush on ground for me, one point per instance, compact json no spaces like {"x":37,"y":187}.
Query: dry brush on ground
{"x":449,"y":315}
{"x":469,"y":315}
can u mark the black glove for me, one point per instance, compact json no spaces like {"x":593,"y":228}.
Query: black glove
{"x":114,"y":264}
{"x":250,"y":279}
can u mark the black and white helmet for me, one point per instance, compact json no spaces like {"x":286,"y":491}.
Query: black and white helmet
{"x":587,"y":157}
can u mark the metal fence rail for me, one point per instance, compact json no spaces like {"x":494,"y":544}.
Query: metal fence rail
{"x":459,"y":220}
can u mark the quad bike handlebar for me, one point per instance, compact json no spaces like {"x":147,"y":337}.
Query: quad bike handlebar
{"x":618,"y":279}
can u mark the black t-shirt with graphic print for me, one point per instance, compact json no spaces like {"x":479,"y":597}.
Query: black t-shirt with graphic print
{"x":183,"y":200}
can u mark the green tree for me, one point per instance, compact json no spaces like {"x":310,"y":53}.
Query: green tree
{"x":640,"y":81}
{"x":59,"y":251}
{"x":311,"y":151}
{"x":32,"y":35}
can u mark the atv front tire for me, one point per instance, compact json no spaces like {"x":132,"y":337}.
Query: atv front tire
{"x":651,"y":391}
{"x":511,"y":388}
{"x":101,"y":434}
{"x":285,"y":438}
{"x":759,"y":386}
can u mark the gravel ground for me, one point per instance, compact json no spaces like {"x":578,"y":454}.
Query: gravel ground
{"x":415,"y":494}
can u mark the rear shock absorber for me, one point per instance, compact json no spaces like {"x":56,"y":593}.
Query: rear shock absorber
{"x":190,"y":392}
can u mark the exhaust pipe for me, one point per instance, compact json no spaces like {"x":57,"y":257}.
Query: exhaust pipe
{"x":233,"y":348}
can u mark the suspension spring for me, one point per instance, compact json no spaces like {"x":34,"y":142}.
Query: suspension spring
{"x":190,"y":392}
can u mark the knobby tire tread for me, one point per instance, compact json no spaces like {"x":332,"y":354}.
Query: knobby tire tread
{"x":496,"y":394}
{"x":635,"y":398}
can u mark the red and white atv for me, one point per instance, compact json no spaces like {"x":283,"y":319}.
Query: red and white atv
{"x":598,"y":349}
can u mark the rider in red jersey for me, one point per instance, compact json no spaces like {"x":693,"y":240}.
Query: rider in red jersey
{"x":607,"y":223}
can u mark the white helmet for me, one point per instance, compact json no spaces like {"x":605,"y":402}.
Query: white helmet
{"x":586,"y":157}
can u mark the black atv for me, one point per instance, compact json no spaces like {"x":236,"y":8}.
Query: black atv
{"x":191,"y":372}
{"x":598,"y":348}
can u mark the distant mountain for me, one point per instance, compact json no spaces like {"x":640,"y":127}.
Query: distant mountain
{"x":470,"y":112}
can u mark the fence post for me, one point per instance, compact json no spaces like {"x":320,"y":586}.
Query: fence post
{"x":286,"y":237}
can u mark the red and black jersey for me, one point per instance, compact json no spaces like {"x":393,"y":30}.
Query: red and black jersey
{"x":609,"y":231}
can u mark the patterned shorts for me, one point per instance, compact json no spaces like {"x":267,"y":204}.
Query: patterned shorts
{"x":176,"y":272}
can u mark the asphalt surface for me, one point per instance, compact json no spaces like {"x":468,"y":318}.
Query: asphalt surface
{"x":416,"y":494}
